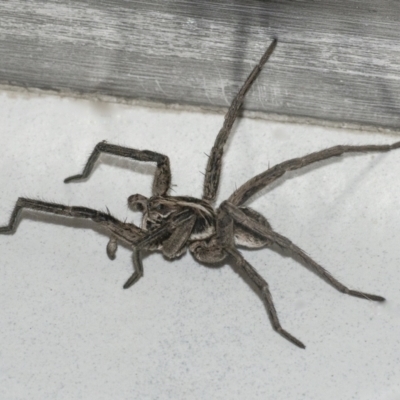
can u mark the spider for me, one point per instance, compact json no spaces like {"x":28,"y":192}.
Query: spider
{"x":171,"y":224}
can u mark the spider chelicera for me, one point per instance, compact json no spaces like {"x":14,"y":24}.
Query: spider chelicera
{"x":171,"y":224}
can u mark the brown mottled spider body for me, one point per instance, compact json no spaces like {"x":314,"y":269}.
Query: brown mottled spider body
{"x":173,"y":224}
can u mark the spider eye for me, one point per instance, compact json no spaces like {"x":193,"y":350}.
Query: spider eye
{"x":160,"y":207}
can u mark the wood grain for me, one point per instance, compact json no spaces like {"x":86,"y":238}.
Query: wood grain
{"x":336,"y":60}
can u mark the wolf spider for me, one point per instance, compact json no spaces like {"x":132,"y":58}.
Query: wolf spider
{"x":171,"y":224}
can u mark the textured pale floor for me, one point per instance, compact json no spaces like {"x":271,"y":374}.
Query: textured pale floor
{"x":69,"y":331}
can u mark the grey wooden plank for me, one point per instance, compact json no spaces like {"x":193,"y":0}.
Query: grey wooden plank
{"x":337,"y":61}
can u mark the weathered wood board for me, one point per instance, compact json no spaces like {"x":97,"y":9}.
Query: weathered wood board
{"x":336,"y":60}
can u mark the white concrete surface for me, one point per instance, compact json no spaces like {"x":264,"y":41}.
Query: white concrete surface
{"x":185,"y":331}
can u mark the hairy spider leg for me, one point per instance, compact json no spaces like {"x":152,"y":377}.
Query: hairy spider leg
{"x":179,"y":220}
{"x":262,"y":285}
{"x":53,"y":208}
{"x":104,"y":219}
{"x":130,"y":233}
{"x":213,"y":170}
{"x":241,"y":218}
{"x":138,"y":269}
{"x":225,"y":234}
{"x":260,"y":181}
{"x":162,"y":177}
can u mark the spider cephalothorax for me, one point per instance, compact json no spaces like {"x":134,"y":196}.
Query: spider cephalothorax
{"x":173,"y":224}
{"x":161,"y":211}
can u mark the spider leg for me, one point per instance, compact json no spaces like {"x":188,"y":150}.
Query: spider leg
{"x":138,"y":270}
{"x":253,"y":185}
{"x":154,"y":238}
{"x":213,"y":170}
{"x":53,"y":208}
{"x":162,"y":178}
{"x":79,"y":212}
{"x":262,"y":285}
{"x":242,"y":219}
{"x":174,"y":245}
{"x":225,"y":235}
{"x":285,"y":243}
